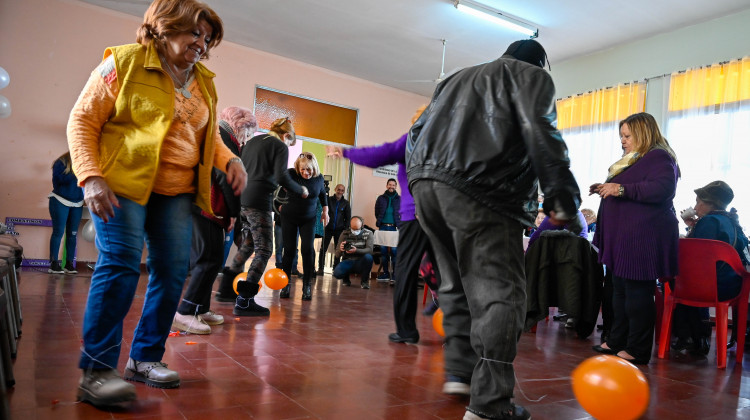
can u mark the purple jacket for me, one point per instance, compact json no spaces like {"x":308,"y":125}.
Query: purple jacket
{"x":637,"y":234}
{"x":386,"y":154}
{"x":547,"y":225}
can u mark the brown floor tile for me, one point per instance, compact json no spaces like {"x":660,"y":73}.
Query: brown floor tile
{"x":326,"y":359}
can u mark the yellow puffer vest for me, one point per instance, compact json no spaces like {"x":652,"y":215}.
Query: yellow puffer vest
{"x":130,"y":142}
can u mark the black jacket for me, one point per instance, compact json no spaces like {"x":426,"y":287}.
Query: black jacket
{"x":344,"y":211}
{"x":489,"y":131}
{"x":562,"y":270}
{"x":265,"y":158}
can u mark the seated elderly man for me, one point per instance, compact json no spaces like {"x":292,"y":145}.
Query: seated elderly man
{"x":355,"y":248}
{"x":709,"y":219}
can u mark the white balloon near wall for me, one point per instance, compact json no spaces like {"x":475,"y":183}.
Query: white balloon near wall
{"x":4,"y":107}
{"x":4,"y":78}
{"x":89,"y":231}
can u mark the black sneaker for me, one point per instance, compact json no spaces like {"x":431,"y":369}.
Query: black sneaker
{"x":365,"y":284}
{"x":70,"y":268}
{"x":515,"y":412}
{"x":396,"y":338}
{"x":346,"y":282}
{"x":55,"y":268}
{"x":702,"y":347}
{"x":248,"y":307}
{"x":683,"y":344}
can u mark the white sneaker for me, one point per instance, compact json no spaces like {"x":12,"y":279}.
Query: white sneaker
{"x":190,"y":323}
{"x":456,"y":388}
{"x":212,"y":318}
{"x":153,"y":374}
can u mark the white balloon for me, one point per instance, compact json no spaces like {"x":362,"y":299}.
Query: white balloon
{"x":4,"y":107}
{"x":4,"y":78}
{"x":89,"y":231}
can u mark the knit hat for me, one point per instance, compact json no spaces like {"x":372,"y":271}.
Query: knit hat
{"x":528,"y":50}
{"x":717,"y":193}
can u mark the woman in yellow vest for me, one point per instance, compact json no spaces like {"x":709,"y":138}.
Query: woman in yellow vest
{"x":144,"y":139}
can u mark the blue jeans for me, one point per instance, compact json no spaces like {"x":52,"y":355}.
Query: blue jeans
{"x":361,"y":266}
{"x":64,"y":220}
{"x":228,"y":241}
{"x":165,"y":223}
{"x":388,"y":254}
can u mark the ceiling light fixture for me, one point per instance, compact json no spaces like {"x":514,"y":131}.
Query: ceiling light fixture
{"x":496,"y":16}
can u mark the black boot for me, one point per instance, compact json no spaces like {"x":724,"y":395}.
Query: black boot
{"x":245,"y":304}
{"x":306,"y":290}
{"x":226,"y":289}
{"x":285,"y":292}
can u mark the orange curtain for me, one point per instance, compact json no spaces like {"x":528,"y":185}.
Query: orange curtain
{"x":717,"y":84}
{"x":601,"y":106}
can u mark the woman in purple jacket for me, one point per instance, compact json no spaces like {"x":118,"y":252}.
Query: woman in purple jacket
{"x":412,"y":240}
{"x":637,"y":233}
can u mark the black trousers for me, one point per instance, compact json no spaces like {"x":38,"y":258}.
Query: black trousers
{"x":482,"y":291}
{"x":412,"y":244}
{"x":329,"y":234}
{"x":634,"y":317}
{"x":607,"y":310}
{"x":290,"y":228}
{"x":206,"y":260}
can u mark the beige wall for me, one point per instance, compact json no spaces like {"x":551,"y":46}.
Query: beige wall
{"x":55,"y":45}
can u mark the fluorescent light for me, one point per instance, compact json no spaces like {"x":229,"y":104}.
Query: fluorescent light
{"x":495,"y":16}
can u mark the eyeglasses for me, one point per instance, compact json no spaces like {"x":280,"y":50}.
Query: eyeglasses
{"x":307,"y":155}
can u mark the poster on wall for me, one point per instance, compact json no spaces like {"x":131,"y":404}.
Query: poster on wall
{"x":387,"y":171}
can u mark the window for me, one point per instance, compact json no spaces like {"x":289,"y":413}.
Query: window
{"x":708,"y":125}
{"x":589,"y":125}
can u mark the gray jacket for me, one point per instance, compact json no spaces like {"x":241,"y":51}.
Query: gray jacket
{"x":363,"y":242}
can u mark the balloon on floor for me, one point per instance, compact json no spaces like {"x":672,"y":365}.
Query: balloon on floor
{"x":275,"y":279}
{"x":610,"y":388}
{"x":437,"y":322}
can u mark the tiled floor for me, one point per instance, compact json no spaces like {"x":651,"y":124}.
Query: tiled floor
{"x":325,"y":359}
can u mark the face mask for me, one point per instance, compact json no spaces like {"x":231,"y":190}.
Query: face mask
{"x":356,"y":232}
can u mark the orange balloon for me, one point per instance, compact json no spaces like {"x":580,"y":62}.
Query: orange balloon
{"x":276,"y":278}
{"x":437,"y":322}
{"x":610,"y":388}
{"x":238,"y":278}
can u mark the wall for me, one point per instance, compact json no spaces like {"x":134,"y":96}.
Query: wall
{"x":706,"y":43}
{"x":710,"y":42}
{"x":56,"y":44}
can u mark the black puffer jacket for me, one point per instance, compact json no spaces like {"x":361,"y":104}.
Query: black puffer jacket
{"x":489,"y":132}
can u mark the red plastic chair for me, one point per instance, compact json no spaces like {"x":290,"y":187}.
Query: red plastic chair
{"x":695,"y":285}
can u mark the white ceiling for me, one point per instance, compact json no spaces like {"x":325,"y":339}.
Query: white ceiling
{"x":393,"y":41}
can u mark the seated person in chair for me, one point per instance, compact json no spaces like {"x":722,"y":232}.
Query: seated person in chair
{"x":710,"y":220}
{"x":355,"y":249}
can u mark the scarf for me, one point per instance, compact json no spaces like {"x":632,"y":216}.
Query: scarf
{"x":622,"y":164}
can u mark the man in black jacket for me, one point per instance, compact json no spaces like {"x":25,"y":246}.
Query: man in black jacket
{"x":474,"y":161}
{"x":339,"y":213}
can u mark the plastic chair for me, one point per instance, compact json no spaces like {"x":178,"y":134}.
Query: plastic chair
{"x":696,"y":286}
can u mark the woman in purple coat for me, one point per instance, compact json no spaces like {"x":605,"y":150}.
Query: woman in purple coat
{"x":412,"y":240}
{"x":637,"y":233}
